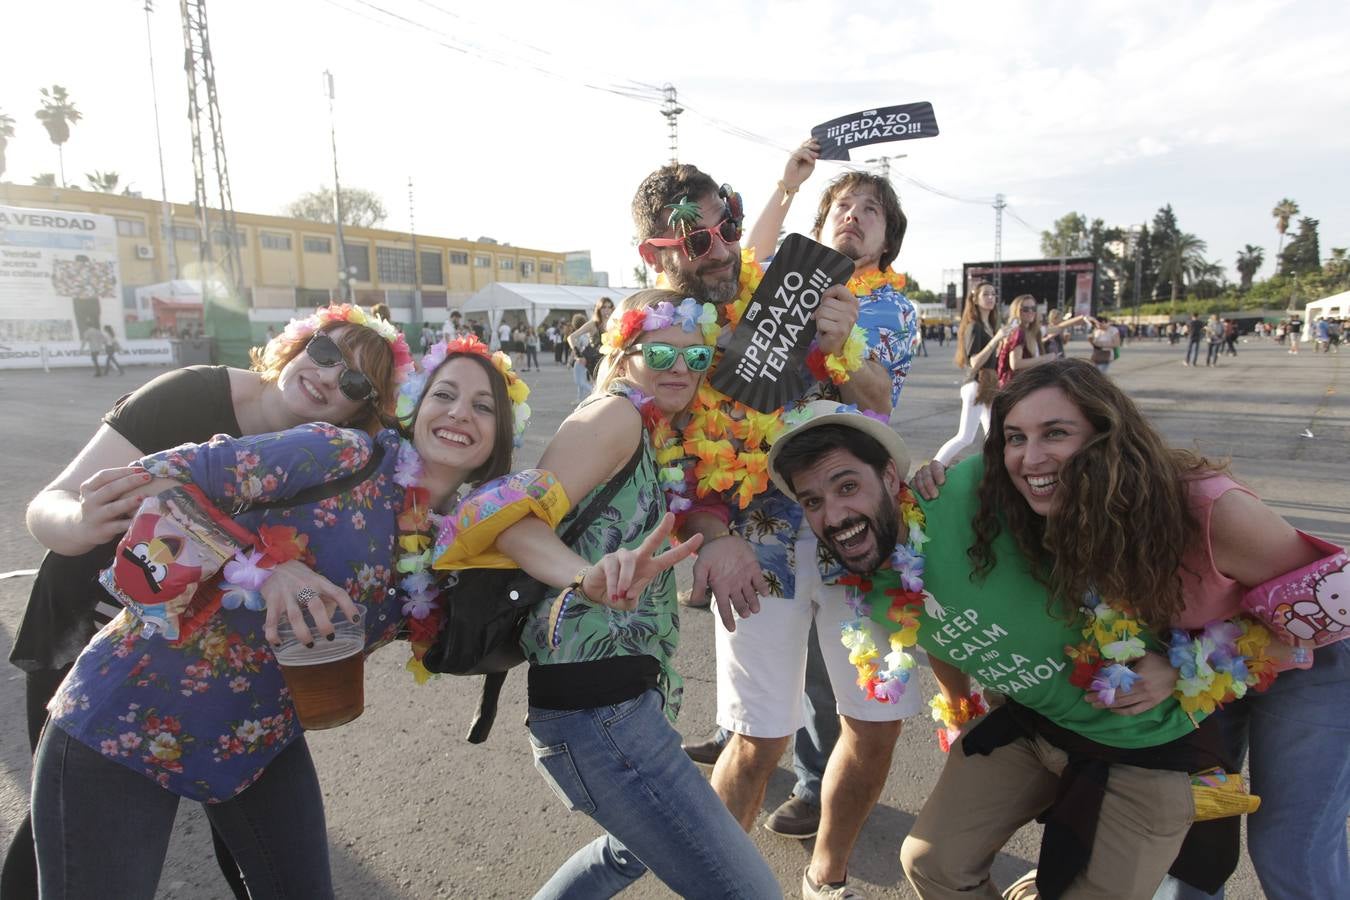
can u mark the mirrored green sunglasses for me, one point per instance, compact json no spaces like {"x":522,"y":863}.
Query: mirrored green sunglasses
{"x":660,"y":356}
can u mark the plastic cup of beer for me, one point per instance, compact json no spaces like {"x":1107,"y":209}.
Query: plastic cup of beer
{"x":327,"y":680}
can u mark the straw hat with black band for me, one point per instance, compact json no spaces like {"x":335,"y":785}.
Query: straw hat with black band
{"x":830,"y":412}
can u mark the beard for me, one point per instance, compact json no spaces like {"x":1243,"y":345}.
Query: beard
{"x":883,"y":526}
{"x":717,"y":289}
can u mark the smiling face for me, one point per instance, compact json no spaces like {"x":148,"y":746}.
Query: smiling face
{"x":851,"y":509}
{"x":713,"y":277}
{"x":310,"y":392}
{"x":672,"y":389}
{"x":456,"y":423}
{"x":1040,"y":434}
{"x":856,"y":227}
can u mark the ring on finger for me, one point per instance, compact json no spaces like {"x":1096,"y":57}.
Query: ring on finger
{"x":306,"y":596}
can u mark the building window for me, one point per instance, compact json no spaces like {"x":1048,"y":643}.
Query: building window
{"x":506,"y":263}
{"x":546,"y":268}
{"x":395,"y":264}
{"x":431,"y":268}
{"x":318,"y":245}
{"x":186,"y":233}
{"x":273,"y":241}
{"x":358,"y":260}
{"x":221,"y":237}
{"x":131,"y":228}
{"x":482,"y":261}
{"x":309,"y":298}
{"x":458,"y":259}
{"x":526,"y":268}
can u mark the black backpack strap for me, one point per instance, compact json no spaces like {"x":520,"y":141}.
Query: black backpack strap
{"x":601,"y":500}
{"x":494,"y":681}
{"x":328,"y":488}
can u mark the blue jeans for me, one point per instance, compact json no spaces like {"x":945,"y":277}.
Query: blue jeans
{"x":1300,"y":768}
{"x":102,"y":830}
{"x":622,"y":765}
{"x":1193,"y":353}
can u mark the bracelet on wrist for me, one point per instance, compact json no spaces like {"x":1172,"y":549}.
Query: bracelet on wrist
{"x":558,"y":609}
{"x":787,"y":192}
{"x":716,"y":537}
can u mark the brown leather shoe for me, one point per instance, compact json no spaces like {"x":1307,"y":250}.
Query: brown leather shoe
{"x":796,"y":818}
{"x":704,"y":753}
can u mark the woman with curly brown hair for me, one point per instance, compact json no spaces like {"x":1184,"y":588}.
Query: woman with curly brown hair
{"x":1109,"y":574}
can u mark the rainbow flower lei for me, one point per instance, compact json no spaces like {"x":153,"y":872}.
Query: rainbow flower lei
{"x":895,"y":592}
{"x":1216,"y":665}
{"x":351,"y":314}
{"x":516,"y":388}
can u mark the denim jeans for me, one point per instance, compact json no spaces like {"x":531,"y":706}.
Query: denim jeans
{"x":102,"y":829}
{"x":622,"y":765}
{"x":1193,"y":353}
{"x":1300,"y":768}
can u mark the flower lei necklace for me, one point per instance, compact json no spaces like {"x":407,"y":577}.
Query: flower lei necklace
{"x":839,"y":368}
{"x":1215,"y":666}
{"x":899,"y":587}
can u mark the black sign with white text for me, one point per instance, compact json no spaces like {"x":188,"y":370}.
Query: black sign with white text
{"x":763,"y":364}
{"x":875,"y":126}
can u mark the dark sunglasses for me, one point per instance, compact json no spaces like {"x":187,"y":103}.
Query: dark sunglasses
{"x":353,"y":383}
{"x":659,"y":356}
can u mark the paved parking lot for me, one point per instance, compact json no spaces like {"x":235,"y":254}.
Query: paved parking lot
{"x":414,"y":811}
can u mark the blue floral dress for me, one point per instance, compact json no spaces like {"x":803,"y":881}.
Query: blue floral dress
{"x":204,"y":716}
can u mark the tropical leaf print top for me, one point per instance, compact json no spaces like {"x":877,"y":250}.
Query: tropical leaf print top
{"x":591,"y":632}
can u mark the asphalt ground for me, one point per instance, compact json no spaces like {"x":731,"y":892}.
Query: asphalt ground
{"x":415,"y":811}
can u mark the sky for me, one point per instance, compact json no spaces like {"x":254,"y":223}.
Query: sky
{"x":534,"y":122}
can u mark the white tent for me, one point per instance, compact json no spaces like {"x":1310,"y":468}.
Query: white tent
{"x":535,"y":300}
{"x":1337,"y":306}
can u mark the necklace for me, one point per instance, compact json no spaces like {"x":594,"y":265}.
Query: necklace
{"x":417,"y":525}
{"x":892,"y":596}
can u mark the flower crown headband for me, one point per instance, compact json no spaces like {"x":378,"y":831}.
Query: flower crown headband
{"x":690,"y":315}
{"x":411,"y":391}
{"x":351,"y":314}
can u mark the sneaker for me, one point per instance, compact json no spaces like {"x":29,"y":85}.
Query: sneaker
{"x":813,"y":891}
{"x":704,"y":753}
{"x":795,"y":818}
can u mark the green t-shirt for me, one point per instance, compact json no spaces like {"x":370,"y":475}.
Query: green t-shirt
{"x":998,"y":630}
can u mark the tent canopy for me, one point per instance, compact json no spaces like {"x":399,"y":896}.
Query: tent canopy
{"x":180,"y":290}
{"x":1337,"y":306}
{"x":535,"y":300}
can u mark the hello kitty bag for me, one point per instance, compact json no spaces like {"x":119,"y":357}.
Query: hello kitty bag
{"x":1308,"y":606}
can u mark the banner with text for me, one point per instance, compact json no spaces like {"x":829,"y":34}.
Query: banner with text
{"x":58,"y":275}
{"x":764,"y":364}
{"x":875,"y":126}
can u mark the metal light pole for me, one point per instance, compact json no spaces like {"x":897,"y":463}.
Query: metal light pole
{"x":344,"y":276}
{"x":1136,"y":243}
{"x":166,"y":214}
{"x":884,"y":162}
{"x":417,"y":269}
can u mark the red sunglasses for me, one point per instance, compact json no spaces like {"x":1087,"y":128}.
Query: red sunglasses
{"x":699,"y":243}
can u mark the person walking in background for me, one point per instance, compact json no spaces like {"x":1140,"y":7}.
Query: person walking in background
{"x":1105,"y":342}
{"x":1230,"y":336}
{"x":1195,"y":330}
{"x":531,"y":349}
{"x":112,"y":349}
{"x":1322,"y":335}
{"x":977,"y":341}
{"x":94,"y":339}
{"x":1214,"y":333}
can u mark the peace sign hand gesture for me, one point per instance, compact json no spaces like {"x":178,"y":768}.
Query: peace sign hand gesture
{"x":619,"y":578}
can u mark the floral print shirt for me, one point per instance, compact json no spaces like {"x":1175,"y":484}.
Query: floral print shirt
{"x":593,"y":631}
{"x":204,"y":717}
{"x":773,"y":522}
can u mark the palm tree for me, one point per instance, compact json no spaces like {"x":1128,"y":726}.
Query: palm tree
{"x":103,"y":181}
{"x":58,"y":113}
{"x":1285,"y":210}
{"x":45,"y":179}
{"x":1182,"y":257}
{"x":1249,"y":259}
{"x":6,"y":132}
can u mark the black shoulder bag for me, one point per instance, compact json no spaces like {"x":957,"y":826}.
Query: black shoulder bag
{"x":485,"y":612}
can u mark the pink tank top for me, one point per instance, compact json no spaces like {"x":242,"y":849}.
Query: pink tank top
{"x":1209,"y":593}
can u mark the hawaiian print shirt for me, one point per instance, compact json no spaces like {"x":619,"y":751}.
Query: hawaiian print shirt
{"x":204,"y":717}
{"x":592,"y":631}
{"x":773,"y":522}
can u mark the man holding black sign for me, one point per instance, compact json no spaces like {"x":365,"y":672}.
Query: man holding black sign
{"x":690,"y":233}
